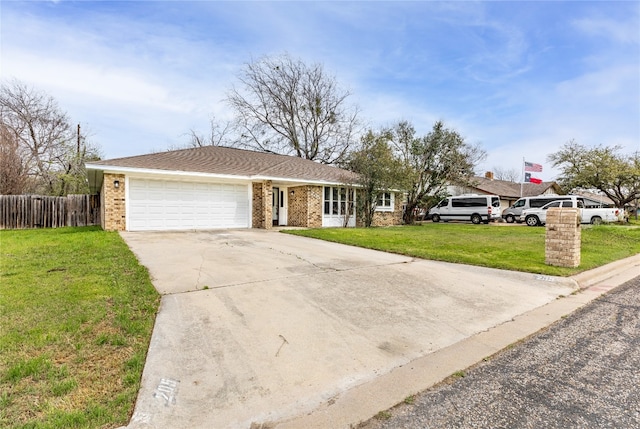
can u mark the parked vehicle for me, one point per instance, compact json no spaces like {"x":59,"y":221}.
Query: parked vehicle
{"x":474,"y":208}
{"x":536,"y":217}
{"x":513,"y":213}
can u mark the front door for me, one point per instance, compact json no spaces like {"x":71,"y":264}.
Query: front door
{"x":275,"y":206}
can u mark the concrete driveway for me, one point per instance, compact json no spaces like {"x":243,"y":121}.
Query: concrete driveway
{"x":258,"y":327}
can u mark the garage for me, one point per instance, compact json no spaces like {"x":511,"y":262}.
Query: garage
{"x":159,"y":205}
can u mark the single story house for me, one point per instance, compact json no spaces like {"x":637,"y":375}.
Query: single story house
{"x":509,"y":192}
{"x":595,"y":200}
{"x":219,"y":187}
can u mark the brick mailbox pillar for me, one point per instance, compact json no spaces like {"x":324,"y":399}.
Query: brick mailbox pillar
{"x":562,"y":242}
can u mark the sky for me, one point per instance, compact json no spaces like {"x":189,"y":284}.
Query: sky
{"x":518,"y":78}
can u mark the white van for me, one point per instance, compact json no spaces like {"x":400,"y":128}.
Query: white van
{"x":514,"y":212}
{"x":473,"y":207}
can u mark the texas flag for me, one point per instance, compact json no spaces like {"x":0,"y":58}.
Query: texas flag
{"x":529,"y":179}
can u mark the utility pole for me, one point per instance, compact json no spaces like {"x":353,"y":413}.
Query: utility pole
{"x":78,"y":152}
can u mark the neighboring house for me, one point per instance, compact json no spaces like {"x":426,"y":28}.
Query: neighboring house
{"x":594,"y":200}
{"x":218,"y":187}
{"x":509,"y":192}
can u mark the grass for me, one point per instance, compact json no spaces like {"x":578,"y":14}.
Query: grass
{"x":518,"y":248}
{"x":383,"y":415}
{"x":77,"y":315}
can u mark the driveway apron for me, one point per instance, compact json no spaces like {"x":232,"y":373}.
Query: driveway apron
{"x":257,"y":327}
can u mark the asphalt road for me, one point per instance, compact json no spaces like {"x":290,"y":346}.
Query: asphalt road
{"x":581,"y":372}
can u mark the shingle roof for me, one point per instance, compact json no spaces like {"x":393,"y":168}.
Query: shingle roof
{"x":230,"y":161}
{"x":509,"y":189}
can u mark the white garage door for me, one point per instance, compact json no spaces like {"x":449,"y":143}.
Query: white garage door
{"x":170,"y":205}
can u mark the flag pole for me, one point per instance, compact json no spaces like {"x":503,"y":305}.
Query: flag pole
{"x":523,"y":161}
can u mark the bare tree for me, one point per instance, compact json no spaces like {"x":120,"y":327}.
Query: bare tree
{"x":511,"y":175}
{"x":286,"y":106}
{"x":46,"y":144}
{"x":13,"y":174}
{"x":218,"y":134}
{"x":71,"y":174}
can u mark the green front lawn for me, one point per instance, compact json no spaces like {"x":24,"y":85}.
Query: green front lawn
{"x":77,"y":315}
{"x":509,"y":247}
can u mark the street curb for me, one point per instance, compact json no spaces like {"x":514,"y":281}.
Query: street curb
{"x":363,"y":402}
{"x":596,"y":275}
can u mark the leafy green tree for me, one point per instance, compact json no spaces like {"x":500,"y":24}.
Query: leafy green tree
{"x":600,"y":168}
{"x":378,"y":171}
{"x":431,"y":163}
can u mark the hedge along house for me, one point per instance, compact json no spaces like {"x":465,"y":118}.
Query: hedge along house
{"x":216,"y":187}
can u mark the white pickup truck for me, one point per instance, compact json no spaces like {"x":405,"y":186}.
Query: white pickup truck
{"x":536,"y":217}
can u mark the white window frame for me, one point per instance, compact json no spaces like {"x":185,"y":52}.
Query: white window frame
{"x":388,"y":204}
{"x":336,"y":218}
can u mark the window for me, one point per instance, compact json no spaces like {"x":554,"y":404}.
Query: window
{"x":469,"y":202}
{"x":553,"y":204}
{"x":337,"y":200}
{"x":385,"y":202}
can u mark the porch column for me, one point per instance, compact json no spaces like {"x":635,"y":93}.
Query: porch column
{"x":262,"y":210}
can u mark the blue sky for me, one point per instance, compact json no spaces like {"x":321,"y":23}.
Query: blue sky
{"x":519,"y":78}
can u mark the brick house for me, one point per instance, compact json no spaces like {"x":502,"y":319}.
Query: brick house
{"x":218,"y":187}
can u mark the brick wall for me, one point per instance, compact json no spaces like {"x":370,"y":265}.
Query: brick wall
{"x":112,"y":200}
{"x":262,"y":211}
{"x":315,"y":202}
{"x":304,"y":207}
{"x":563,"y":237}
{"x":389,"y":218}
{"x":381,"y":218}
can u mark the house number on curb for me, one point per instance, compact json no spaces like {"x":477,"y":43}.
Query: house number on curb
{"x":545,"y":278}
{"x":166,"y":390}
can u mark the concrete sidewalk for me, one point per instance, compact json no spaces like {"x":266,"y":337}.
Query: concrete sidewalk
{"x":260,"y":328}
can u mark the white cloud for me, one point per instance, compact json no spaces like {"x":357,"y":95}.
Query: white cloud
{"x":144,"y":73}
{"x":623,"y":30}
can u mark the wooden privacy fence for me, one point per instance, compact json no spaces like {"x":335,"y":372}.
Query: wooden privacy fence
{"x":37,"y":211}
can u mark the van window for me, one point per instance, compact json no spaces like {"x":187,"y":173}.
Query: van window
{"x":495,"y":201}
{"x":469,"y":202}
{"x":519,"y":203}
{"x":536,"y":203}
{"x":443,"y":203}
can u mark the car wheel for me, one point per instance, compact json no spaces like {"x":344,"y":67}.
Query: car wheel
{"x":596,"y":220}
{"x":476,"y":219}
{"x":510,"y":219}
{"x":435,"y":218}
{"x":532,"y":220}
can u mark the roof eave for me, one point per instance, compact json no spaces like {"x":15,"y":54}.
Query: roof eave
{"x":114,"y":169}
